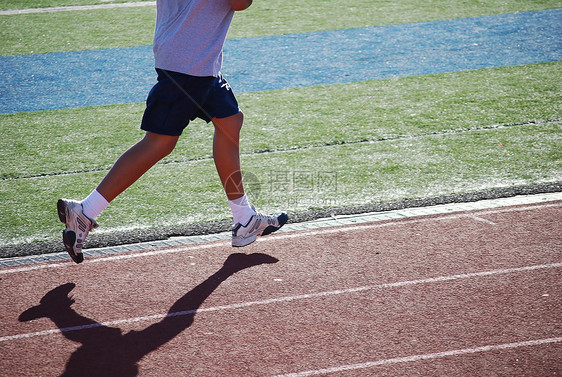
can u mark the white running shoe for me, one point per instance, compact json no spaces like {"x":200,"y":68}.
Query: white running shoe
{"x":77,"y":228}
{"x":259,"y":225}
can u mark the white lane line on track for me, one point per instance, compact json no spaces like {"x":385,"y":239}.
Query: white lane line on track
{"x":289,"y":299}
{"x":482,"y":220}
{"x":77,"y":8}
{"x":283,"y":235}
{"x":117,"y":257}
{"x":428,"y":356}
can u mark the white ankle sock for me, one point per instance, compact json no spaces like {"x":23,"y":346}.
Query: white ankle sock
{"x":241,"y":210}
{"x":94,"y":204}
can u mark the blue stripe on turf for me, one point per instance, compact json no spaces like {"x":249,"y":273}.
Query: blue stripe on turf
{"x":109,"y":76}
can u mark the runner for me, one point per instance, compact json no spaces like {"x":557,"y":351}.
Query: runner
{"x":188,"y":43}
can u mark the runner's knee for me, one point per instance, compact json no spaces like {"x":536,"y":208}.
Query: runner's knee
{"x":231,"y":124}
{"x":162,"y":145}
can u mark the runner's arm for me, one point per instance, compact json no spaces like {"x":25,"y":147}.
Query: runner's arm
{"x":240,"y":4}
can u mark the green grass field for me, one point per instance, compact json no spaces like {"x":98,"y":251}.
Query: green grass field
{"x":386,"y":140}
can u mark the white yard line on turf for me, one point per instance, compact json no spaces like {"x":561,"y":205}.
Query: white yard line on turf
{"x":77,"y":7}
{"x":428,"y":356}
{"x":284,"y":299}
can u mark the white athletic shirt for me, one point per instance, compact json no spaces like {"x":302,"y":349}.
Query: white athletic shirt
{"x":190,"y":35}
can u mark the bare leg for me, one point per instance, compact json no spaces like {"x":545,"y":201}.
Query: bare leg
{"x":226,"y":154}
{"x":135,"y":162}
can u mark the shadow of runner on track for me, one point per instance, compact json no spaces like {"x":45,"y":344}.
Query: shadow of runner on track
{"x":105,"y":351}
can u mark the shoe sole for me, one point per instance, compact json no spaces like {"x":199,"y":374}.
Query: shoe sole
{"x":61,"y":209}
{"x":282,"y":219}
{"x":68,"y":236}
{"x":69,"y":239}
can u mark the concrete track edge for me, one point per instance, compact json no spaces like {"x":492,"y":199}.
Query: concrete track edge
{"x":105,"y":244}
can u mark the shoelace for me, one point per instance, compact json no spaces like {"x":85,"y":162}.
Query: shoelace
{"x":270,"y":219}
{"x":93,"y":224}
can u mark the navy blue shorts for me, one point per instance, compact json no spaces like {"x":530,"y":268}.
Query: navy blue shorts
{"x":177,"y":98}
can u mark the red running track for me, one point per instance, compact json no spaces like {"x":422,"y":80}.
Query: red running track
{"x":466,"y":294}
